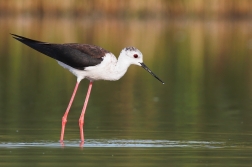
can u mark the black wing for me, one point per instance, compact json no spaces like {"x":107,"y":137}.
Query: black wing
{"x":77,"y":56}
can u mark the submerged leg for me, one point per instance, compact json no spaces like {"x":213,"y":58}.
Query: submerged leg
{"x":81,"y":120}
{"x":64,"y":118}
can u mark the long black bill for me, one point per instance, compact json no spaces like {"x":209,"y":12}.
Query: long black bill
{"x":147,"y":69}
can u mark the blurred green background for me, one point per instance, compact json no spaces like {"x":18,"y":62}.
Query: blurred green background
{"x":201,"y":49}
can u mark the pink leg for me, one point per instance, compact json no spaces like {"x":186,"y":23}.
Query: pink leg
{"x":81,"y":120}
{"x":64,"y":118}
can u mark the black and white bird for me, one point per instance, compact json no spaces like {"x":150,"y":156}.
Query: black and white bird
{"x":90,"y":62}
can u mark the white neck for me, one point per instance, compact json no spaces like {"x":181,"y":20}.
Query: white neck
{"x":121,"y":67}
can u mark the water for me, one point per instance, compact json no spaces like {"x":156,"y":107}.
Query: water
{"x":125,"y":153}
{"x":200,"y":117}
{"x":119,"y":143}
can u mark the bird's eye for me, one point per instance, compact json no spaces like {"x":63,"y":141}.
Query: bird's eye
{"x":135,"y":55}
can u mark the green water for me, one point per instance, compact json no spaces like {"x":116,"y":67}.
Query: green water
{"x":201,"y":116}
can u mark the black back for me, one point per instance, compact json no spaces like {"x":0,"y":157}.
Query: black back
{"x":75,"y":55}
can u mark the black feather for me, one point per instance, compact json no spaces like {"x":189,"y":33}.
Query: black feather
{"x":75,"y":55}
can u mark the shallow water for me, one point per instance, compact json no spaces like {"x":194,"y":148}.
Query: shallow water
{"x":200,"y":117}
{"x":119,"y":144}
{"x":125,"y":153}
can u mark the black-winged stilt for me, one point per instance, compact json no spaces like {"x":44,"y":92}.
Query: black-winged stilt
{"x":87,"y":61}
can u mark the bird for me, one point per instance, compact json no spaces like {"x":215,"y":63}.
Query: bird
{"x":87,"y":61}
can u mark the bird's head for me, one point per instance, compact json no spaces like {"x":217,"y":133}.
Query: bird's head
{"x":133,"y":56}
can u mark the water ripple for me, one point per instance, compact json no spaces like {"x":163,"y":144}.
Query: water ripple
{"x":116,"y":143}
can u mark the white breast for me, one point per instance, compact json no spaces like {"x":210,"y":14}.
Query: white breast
{"x":106,"y":70}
